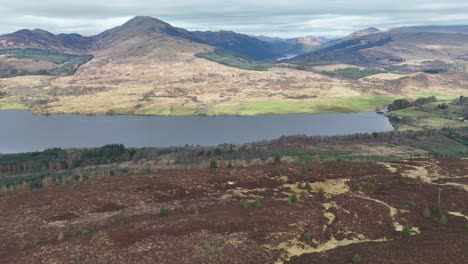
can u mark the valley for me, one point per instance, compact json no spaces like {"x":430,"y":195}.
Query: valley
{"x":148,"y":67}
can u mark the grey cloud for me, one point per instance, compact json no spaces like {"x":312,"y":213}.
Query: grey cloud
{"x":268,"y":17}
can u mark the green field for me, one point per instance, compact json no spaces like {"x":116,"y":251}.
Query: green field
{"x":428,"y":116}
{"x":316,"y":105}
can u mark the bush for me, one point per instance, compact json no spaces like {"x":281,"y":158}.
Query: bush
{"x":307,"y":237}
{"x":373,"y":180}
{"x":207,"y":245}
{"x":412,"y":204}
{"x":357,"y":187}
{"x":427,"y":212}
{"x":163,"y":212}
{"x":257,"y":203}
{"x":399,"y":104}
{"x":146,"y":171}
{"x":321,"y":191}
{"x":308,"y":187}
{"x":277,"y":159}
{"x":436,"y":211}
{"x":292,"y":199}
{"x":300,"y":186}
{"x":368,"y":185}
{"x":84,"y":232}
{"x":244,"y":204}
{"x":443,"y":220}
{"x":466,"y":226}
{"x":356,"y":258}
{"x":406,"y":232}
{"x":213,"y":164}
{"x":386,"y":186}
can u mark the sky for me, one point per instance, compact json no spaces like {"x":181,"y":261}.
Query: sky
{"x":285,"y":18}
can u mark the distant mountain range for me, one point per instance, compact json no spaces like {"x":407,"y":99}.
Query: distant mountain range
{"x":240,"y":44}
{"x":147,"y":66}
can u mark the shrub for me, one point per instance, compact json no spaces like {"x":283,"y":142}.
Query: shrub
{"x":244,"y":204}
{"x":207,"y":245}
{"x":307,"y":237}
{"x":84,"y":232}
{"x":229,"y":166}
{"x":218,"y":250}
{"x":407,"y":182}
{"x":124,"y":170}
{"x":146,"y":171}
{"x":356,"y":258}
{"x":426,"y":212}
{"x":357,"y":187}
{"x":443,"y":220}
{"x":373,"y":180}
{"x":213,"y":164}
{"x":412,"y":204}
{"x":466,"y":226}
{"x":321,"y":191}
{"x":386,"y":186}
{"x":368,"y":185}
{"x":436,"y":211}
{"x":283,"y":181}
{"x":456,"y":188}
{"x":406,"y":232}
{"x":163,"y":212}
{"x":300,"y":186}
{"x":308,"y":187}
{"x":277,"y":159}
{"x":292,"y":199}
{"x":399,"y":104}
{"x":257,"y":203}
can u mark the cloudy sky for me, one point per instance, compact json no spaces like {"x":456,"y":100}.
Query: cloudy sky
{"x":283,"y":18}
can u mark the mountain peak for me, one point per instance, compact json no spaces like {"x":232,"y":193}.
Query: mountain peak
{"x":364,"y":32}
{"x":145,"y":20}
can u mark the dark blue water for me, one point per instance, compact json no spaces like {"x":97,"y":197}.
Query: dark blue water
{"x":21,"y":131}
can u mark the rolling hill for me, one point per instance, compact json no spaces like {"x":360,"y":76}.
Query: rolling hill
{"x":147,"y":66}
{"x":401,"y":49}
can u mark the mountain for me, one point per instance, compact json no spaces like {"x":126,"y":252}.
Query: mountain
{"x":139,"y":28}
{"x":293,"y":45}
{"x":395,"y":50}
{"x":237,"y":43}
{"x":41,"y":39}
{"x":147,"y":66}
{"x":363,"y":32}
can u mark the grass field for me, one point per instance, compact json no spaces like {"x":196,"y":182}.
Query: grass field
{"x":316,"y":105}
{"x":429,"y":117}
{"x":8,"y":104}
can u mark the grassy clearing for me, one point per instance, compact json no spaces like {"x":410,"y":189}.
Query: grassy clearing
{"x":6,"y":104}
{"x":316,"y":105}
{"x":428,"y":116}
{"x":441,"y":145}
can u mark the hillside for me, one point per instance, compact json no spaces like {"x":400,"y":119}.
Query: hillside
{"x":147,"y":66}
{"x":292,"y":200}
{"x":398,"y":49}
